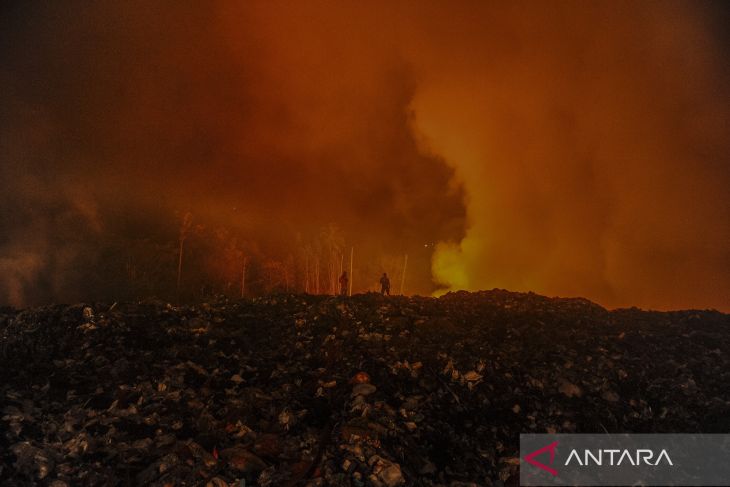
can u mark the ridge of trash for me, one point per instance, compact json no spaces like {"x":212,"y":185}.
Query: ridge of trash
{"x":294,"y":390}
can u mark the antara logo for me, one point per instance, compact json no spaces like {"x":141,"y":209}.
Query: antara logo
{"x":625,"y":457}
{"x":530,"y":458}
{"x":606,"y":457}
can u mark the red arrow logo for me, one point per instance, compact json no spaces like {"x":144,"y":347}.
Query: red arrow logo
{"x":530,"y":458}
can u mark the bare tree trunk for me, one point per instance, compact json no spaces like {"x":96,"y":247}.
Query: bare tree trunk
{"x":403,"y":274}
{"x":316,"y":275}
{"x":184,"y":231}
{"x":306,"y":273}
{"x":243,"y":277}
{"x":349,"y":291}
{"x":179,"y":269}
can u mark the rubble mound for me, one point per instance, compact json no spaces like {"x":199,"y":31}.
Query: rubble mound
{"x":311,"y":390}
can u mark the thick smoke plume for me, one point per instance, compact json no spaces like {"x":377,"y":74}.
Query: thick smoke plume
{"x":593,"y":144}
{"x":568,"y":149}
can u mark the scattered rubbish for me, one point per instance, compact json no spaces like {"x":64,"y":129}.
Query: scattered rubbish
{"x":373,"y":390}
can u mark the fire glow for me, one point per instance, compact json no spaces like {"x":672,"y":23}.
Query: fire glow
{"x":578,"y":149}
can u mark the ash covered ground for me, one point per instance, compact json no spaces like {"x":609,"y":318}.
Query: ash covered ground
{"x":311,"y":390}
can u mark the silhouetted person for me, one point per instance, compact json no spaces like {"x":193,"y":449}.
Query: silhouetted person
{"x":343,"y":284}
{"x":385,"y":285}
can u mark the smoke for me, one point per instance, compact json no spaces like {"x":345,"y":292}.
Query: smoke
{"x":592,"y":143}
{"x":567,"y":149}
{"x":268,"y":119}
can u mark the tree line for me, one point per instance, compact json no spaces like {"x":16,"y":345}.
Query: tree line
{"x":206,"y":260}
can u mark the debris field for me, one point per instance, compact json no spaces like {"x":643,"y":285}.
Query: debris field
{"x":295,"y":390}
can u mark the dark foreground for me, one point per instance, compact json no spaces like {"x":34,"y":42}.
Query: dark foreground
{"x":304,"y":390}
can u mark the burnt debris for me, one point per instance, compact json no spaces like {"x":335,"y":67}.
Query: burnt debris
{"x":311,"y":390}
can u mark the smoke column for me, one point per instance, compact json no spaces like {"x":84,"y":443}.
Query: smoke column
{"x":575,"y":149}
{"x":592,"y":142}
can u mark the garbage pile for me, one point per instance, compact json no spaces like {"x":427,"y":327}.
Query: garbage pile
{"x":364,"y":391}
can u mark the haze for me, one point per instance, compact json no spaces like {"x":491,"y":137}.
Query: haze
{"x":571,"y":149}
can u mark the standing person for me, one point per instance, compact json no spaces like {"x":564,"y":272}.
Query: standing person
{"x":385,"y":285}
{"x":343,"y":283}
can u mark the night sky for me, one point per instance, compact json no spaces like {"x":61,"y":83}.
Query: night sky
{"x":572,"y":149}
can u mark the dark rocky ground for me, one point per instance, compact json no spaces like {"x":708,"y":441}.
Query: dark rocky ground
{"x":312,"y":390}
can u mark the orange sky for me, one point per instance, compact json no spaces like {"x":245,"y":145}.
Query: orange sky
{"x":575,"y":149}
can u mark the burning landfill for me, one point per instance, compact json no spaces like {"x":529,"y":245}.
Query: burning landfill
{"x":310,"y":390}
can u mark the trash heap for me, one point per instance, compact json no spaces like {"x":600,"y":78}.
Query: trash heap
{"x":311,"y":390}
